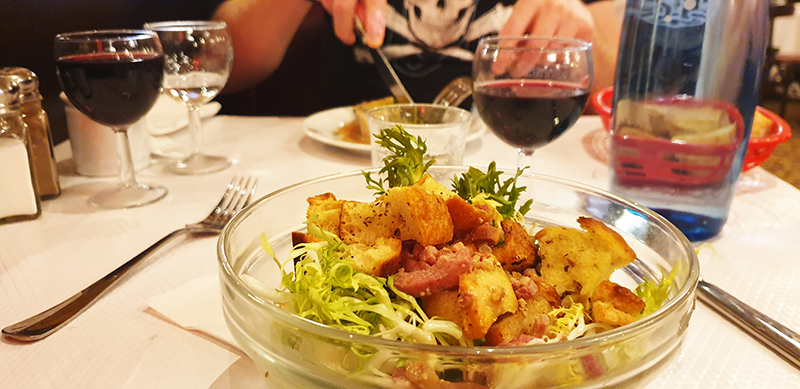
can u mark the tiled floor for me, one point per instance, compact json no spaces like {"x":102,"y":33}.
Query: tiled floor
{"x":785,"y":160}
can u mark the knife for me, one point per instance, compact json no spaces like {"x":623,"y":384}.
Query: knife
{"x":385,"y":70}
{"x":775,"y":336}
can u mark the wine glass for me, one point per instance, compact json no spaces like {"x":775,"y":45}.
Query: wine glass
{"x":199,"y":56}
{"x":114,"y":78}
{"x":529,"y":90}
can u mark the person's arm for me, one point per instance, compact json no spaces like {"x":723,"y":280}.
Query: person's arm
{"x":605,"y":43}
{"x":261,"y":31}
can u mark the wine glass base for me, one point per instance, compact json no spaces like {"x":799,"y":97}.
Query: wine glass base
{"x":201,"y":164}
{"x":128,"y":196}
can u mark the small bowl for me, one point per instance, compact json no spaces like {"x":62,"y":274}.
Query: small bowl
{"x":292,"y":352}
{"x":758,"y":149}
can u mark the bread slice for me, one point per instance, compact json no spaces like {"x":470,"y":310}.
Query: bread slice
{"x":576,"y":261}
{"x":465,"y":216}
{"x":360,"y":110}
{"x":528,"y":319}
{"x":430,"y":184}
{"x":381,"y":259}
{"x":615,"y":304}
{"x":365,"y":223}
{"x":516,"y":252}
{"x":485,"y":293}
{"x":419,"y":215}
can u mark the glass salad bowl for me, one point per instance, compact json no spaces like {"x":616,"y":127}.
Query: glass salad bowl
{"x":292,"y":352}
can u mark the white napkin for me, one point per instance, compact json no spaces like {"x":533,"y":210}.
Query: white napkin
{"x":168,"y":115}
{"x":195,"y":306}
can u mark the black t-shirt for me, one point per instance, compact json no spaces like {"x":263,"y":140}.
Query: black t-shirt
{"x":428,"y":44}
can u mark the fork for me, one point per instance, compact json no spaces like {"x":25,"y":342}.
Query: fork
{"x":455,"y":92}
{"x":238,"y":195}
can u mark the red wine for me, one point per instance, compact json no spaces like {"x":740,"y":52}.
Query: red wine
{"x":529,"y":113}
{"x":111,"y":89}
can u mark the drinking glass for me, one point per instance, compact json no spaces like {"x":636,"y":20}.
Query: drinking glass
{"x":199,"y":56}
{"x":529,"y":90}
{"x":114,"y":78}
{"x":443,"y":128}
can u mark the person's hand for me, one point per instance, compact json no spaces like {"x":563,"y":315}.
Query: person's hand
{"x":569,"y":19}
{"x":372,"y":14}
{"x":560,"y":18}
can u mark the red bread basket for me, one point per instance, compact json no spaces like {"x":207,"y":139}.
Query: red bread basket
{"x":758,"y":149}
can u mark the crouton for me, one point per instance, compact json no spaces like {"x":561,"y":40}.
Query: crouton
{"x":465,"y":216}
{"x":615,"y":297}
{"x":301,"y":237}
{"x":328,"y":212}
{"x":420,"y":216}
{"x":530,"y":319}
{"x":366,"y":222}
{"x":536,"y":299}
{"x":443,"y":304}
{"x":577,"y":261}
{"x":484,"y":294}
{"x":381,"y":259}
{"x":328,"y":209}
{"x":516,"y":252}
{"x":546,"y":290}
{"x":603,"y":312}
{"x":432,"y":186}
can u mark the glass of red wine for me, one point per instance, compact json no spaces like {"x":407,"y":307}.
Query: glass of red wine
{"x":114,"y":77}
{"x":529,"y":90}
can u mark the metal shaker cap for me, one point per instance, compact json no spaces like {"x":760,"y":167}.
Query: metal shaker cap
{"x":9,"y":94}
{"x":27,"y":80}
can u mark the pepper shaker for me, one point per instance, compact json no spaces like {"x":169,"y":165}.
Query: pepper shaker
{"x":19,"y":198}
{"x":40,"y":138}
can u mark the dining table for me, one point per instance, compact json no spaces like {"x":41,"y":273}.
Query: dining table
{"x":122,"y":341}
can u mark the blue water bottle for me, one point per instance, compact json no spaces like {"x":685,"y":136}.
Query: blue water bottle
{"x":687,"y":84}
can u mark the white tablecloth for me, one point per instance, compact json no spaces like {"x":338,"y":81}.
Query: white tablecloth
{"x":119,"y":343}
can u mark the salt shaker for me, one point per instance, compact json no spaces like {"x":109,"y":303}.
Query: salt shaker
{"x":40,"y":138}
{"x":19,"y":199}
{"x":685,"y":93}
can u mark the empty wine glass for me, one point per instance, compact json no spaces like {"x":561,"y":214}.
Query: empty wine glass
{"x":529,"y":90}
{"x":199,"y":56}
{"x":114,"y":77}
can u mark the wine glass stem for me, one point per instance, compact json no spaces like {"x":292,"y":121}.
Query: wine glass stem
{"x":195,"y":130}
{"x":525,"y":158}
{"x":127,"y":173}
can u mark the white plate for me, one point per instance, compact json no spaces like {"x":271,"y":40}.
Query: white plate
{"x":322,"y":127}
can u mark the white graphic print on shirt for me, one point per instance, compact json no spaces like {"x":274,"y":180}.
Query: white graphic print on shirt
{"x":445,"y":27}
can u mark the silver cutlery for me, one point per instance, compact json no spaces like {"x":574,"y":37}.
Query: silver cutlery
{"x":237,"y":196}
{"x":386,"y":71}
{"x":778,"y":338}
{"x":455,"y":92}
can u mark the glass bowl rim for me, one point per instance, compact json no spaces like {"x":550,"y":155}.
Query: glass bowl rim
{"x":613,"y":336}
